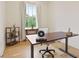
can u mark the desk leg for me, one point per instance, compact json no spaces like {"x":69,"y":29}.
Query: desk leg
{"x":66,"y":48}
{"x":66,"y":45}
{"x":32,"y":51}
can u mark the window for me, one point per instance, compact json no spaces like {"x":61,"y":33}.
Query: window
{"x":31,"y":16}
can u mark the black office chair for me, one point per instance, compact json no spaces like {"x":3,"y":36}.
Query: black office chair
{"x":41,"y":34}
{"x":47,"y":51}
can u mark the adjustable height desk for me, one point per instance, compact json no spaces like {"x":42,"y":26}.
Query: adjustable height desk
{"x":51,"y":37}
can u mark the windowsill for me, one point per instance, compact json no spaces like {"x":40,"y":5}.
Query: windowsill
{"x":30,"y":28}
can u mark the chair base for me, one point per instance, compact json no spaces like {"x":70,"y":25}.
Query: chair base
{"x":47,"y":51}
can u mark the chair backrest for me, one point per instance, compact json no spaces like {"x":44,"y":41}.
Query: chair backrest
{"x":41,"y":35}
{"x":44,"y":29}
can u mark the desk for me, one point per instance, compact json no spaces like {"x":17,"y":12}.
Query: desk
{"x":51,"y":37}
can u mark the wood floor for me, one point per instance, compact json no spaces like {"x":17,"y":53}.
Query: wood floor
{"x":22,"y":50}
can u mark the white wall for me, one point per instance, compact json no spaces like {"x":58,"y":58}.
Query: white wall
{"x":13,"y":14}
{"x":63,"y":15}
{"x":2,"y":27}
{"x":42,"y":14}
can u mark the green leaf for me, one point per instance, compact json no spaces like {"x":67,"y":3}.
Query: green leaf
{"x":30,"y":21}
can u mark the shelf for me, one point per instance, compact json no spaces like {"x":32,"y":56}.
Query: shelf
{"x":8,"y":30}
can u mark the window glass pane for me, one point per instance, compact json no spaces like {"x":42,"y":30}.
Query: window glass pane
{"x":29,"y":9}
{"x":31,"y":14}
{"x":34,"y":10}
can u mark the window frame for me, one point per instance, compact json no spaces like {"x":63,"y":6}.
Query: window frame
{"x":27,"y":16}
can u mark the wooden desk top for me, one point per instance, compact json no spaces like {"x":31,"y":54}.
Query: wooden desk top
{"x":49,"y":36}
